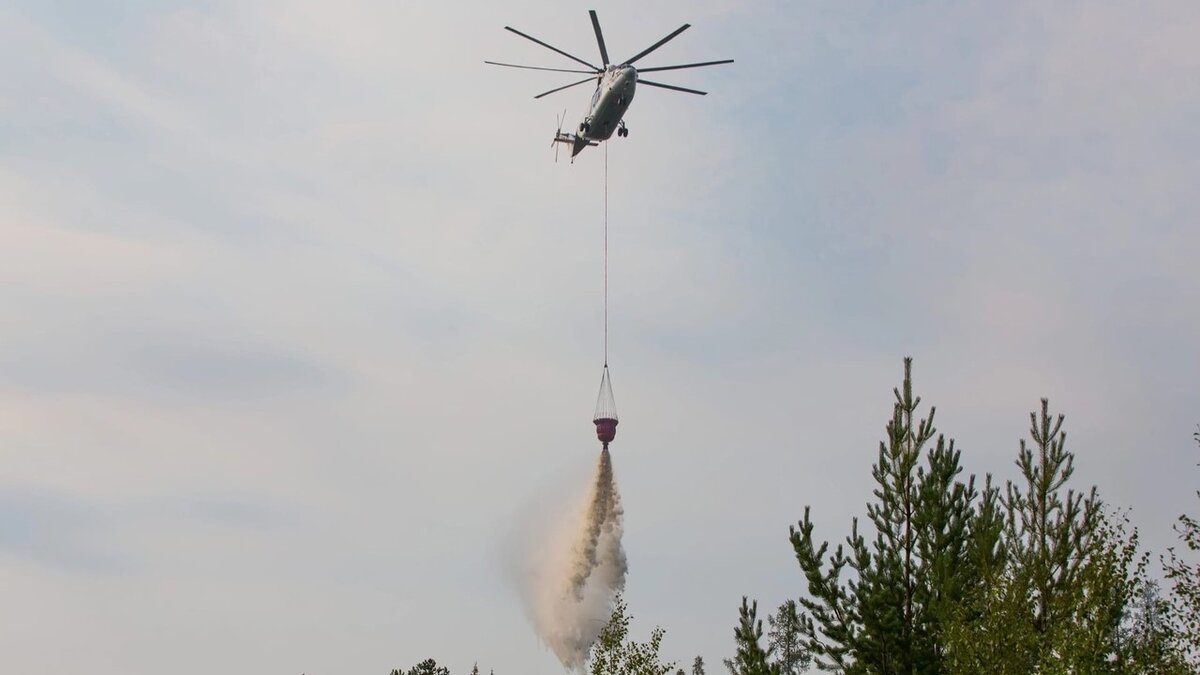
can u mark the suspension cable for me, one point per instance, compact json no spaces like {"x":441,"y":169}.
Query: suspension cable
{"x":606,"y":255}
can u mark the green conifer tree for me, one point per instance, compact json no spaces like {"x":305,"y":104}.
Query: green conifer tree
{"x":918,"y":566}
{"x":1060,"y":598}
{"x":751,"y":658}
{"x":1049,"y":534}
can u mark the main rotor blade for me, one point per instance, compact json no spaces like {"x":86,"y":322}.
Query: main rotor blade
{"x":567,"y":86}
{"x":557,"y":70}
{"x":671,"y":86}
{"x":660,"y":43}
{"x":552,"y":48}
{"x":599,"y":37}
{"x":686,"y":65}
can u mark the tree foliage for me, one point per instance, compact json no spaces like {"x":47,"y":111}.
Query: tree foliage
{"x":751,"y":658}
{"x":1108,"y":621}
{"x":426,"y":667}
{"x":1148,"y":641}
{"x":1184,"y":578}
{"x":886,"y":614}
{"x":1036,"y":577}
{"x":1065,"y":599}
{"x":1048,"y":534}
{"x":616,"y":654}
{"x":785,"y":640}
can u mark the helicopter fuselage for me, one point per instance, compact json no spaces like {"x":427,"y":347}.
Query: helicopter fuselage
{"x":614,"y":93}
{"x":615,"y":85}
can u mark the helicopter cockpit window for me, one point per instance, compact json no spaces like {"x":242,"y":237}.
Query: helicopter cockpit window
{"x":595,"y":97}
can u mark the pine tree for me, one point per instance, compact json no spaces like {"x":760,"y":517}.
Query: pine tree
{"x":751,"y":658}
{"x":907,"y":580}
{"x":1061,"y":597}
{"x":1048,"y":536}
{"x":986,"y":605}
{"x":785,"y":640}
{"x":944,"y":575}
{"x":986,"y":548}
{"x":698,"y":666}
{"x":830,"y":624}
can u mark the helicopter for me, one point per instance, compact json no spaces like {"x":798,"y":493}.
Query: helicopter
{"x":615,"y":86}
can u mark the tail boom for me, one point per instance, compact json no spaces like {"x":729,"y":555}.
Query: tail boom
{"x":577,"y":142}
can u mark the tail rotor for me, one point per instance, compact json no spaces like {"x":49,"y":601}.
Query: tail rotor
{"x":558,"y":134}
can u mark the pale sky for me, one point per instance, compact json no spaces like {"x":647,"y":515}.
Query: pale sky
{"x":299,"y":316}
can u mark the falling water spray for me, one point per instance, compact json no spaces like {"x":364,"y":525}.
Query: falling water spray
{"x":573,"y":576}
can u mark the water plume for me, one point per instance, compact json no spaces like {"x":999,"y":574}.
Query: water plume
{"x":573,"y":571}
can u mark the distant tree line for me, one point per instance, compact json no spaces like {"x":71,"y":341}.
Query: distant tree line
{"x":430,"y":667}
